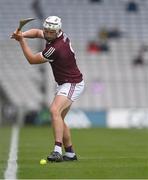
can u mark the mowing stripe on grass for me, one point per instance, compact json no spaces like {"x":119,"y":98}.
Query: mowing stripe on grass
{"x":11,"y":170}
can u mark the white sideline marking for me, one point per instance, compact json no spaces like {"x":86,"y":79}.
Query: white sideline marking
{"x":11,"y":170}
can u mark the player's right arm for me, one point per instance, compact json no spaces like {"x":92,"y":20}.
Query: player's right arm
{"x":33,"y":33}
{"x":32,"y":58}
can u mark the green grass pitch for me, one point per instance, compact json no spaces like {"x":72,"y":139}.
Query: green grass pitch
{"x":102,"y":153}
{"x":5,"y":134}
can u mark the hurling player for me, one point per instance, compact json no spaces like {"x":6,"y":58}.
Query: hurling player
{"x":70,"y":85}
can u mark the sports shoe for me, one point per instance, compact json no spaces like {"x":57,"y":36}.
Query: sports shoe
{"x":66,"y":158}
{"x":55,"y":157}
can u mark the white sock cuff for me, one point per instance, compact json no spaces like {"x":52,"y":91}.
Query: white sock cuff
{"x":69,"y":154}
{"x":58,"y":149}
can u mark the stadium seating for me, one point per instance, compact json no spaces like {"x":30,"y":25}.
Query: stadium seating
{"x":111,"y":79}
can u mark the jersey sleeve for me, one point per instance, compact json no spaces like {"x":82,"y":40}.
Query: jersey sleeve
{"x":48,"y":53}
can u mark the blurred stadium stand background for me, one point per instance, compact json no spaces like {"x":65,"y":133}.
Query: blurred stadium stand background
{"x":113,"y":81}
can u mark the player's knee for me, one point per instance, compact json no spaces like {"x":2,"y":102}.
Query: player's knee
{"x":54,"y":111}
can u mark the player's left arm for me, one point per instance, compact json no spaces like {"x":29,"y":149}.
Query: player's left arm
{"x":33,"y":33}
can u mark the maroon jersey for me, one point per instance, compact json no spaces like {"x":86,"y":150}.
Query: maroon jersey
{"x":62,"y":59}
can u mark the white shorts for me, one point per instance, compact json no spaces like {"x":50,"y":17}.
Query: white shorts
{"x":71,"y":90}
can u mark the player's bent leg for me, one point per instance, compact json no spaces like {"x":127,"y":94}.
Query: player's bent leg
{"x":67,"y":142}
{"x":57,"y":123}
{"x":66,"y":133}
{"x":66,"y":136}
{"x":59,"y":104}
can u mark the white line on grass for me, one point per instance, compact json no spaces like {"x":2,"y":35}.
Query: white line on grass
{"x":11,"y":170}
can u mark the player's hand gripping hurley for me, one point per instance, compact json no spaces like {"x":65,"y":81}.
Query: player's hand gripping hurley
{"x":22,"y":23}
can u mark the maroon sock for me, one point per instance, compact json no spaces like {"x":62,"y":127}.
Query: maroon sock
{"x":69,"y":149}
{"x":58,"y":143}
